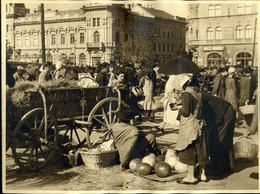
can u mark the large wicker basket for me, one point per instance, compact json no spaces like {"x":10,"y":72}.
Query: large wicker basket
{"x":248,"y":109}
{"x":245,"y":151}
{"x":97,"y":160}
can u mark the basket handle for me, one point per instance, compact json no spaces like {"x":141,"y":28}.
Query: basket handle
{"x":244,"y":136}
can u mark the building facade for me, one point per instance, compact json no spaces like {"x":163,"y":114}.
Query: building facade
{"x":97,"y":33}
{"x":223,"y":34}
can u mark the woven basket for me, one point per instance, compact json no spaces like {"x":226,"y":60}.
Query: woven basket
{"x":248,"y":109}
{"x":95,"y":161}
{"x":245,"y":151}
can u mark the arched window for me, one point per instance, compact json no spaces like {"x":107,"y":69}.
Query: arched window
{"x":239,"y":32}
{"x":210,"y":34}
{"x":18,"y":41}
{"x":244,"y":58}
{"x":218,"y":33}
{"x":82,"y":59}
{"x":35,"y":39}
{"x":26,"y":40}
{"x":117,"y":37}
{"x":249,"y":32}
{"x":96,"y":37}
{"x":214,"y":59}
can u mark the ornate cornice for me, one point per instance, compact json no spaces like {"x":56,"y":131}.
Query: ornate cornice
{"x":50,"y":21}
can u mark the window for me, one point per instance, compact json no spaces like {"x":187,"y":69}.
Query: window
{"x":118,"y":23}
{"x":210,"y":34}
{"x":163,"y":47}
{"x":62,"y":38}
{"x":18,"y":41}
{"x":159,"y":47}
{"x":27,"y":41}
{"x":35,"y":39}
{"x":218,"y":10}
{"x":214,"y":59}
{"x":154,"y":46}
{"x":240,"y":8}
{"x":53,"y":39}
{"x":94,"y":22}
{"x":96,"y":37}
{"x":117,"y":37}
{"x":72,"y":38}
{"x":126,"y":37}
{"x":244,"y":58}
{"x":81,"y":37}
{"x":7,"y":28}
{"x":218,"y":33}
{"x":211,"y":10}
{"x":239,"y":32}
{"x":82,"y":59}
{"x":98,"y":21}
{"x":249,"y":32}
{"x":247,"y":8}
{"x":197,"y":34}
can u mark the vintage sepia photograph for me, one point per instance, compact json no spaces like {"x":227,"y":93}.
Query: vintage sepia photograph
{"x":129,"y":96}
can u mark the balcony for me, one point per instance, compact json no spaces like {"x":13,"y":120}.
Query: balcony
{"x":94,"y":45}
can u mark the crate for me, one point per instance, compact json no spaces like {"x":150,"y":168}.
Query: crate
{"x":245,"y":151}
{"x":97,"y":160}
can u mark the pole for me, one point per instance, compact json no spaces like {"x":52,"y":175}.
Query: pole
{"x":253,"y":56}
{"x":43,"y":34}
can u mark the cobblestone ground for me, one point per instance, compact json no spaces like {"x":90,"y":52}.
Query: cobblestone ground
{"x":56,"y":179}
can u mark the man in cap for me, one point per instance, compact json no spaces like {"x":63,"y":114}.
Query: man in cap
{"x":131,"y":143}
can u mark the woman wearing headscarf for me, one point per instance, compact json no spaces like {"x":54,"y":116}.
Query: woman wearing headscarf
{"x":230,"y":83}
{"x":188,"y":146}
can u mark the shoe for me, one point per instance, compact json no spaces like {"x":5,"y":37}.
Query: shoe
{"x":181,"y":181}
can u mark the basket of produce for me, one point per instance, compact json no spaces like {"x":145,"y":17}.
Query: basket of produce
{"x":248,"y":109}
{"x":99,"y":157}
{"x":245,"y":149}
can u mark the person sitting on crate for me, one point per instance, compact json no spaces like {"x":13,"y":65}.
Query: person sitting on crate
{"x":130,"y":142}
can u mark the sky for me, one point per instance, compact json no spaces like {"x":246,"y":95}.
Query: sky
{"x":176,"y":8}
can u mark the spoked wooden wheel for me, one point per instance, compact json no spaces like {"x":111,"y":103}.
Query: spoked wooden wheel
{"x":71,"y":135}
{"x":103,"y":116}
{"x":33,"y":146}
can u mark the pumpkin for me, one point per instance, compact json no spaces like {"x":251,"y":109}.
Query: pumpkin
{"x":144,"y":169}
{"x":181,"y":167}
{"x":171,"y":160}
{"x":134,"y":163}
{"x":149,"y":160}
{"x":162,"y":169}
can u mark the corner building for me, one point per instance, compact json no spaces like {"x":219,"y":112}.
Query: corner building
{"x":96,"y":33}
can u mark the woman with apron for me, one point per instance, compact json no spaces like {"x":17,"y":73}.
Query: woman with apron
{"x":188,"y":146}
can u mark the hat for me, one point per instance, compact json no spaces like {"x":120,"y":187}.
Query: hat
{"x":184,"y":78}
{"x":231,"y":70}
{"x":20,"y":68}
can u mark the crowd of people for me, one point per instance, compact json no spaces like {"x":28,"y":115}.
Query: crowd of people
{"x":188,"y":101}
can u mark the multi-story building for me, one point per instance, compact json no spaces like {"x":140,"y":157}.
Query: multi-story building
{"x":98,"y":33}
{"x":223,"y":33}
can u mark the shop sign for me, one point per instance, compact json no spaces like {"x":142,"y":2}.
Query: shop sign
{"x":213,"y":48}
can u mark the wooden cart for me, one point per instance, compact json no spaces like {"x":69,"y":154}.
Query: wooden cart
{"x":58,"y":119}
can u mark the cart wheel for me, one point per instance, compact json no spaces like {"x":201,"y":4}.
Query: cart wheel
{"x":71,"y":135}
{"x":31,"y":150}
{"x":103,"y":116}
